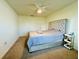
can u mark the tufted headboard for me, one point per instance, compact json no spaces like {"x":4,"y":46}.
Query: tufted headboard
{"x":58,"y":25}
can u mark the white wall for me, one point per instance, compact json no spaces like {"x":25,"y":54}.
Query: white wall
{"x":70,"y":13}
{"x":8,"y":27}
{"x":30,"y":23}
{"x":9,"y":24}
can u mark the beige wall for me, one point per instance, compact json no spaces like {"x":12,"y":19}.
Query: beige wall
{"x":70,"y":13}
{"x":8,"y":27}
{"x":30,"y":23}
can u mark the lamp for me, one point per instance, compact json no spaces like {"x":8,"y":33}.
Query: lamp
{"x":39,"y":11}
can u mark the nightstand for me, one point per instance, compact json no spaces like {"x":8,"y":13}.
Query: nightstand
{"x":69,"y":40}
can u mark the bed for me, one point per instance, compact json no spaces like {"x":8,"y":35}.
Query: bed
{"x":45,"y":39}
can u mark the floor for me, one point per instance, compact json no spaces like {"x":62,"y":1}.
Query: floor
{"x":19,"y":50}
{"x":51,"y":53}
{"x":16,"y":51}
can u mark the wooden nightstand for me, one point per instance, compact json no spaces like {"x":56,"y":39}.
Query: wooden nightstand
{"x":69,"y":40}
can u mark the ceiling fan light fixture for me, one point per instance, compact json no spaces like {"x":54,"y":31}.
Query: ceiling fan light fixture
{"x":39,"y":11}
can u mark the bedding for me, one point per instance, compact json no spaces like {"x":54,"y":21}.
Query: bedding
{"x":44,"y":37}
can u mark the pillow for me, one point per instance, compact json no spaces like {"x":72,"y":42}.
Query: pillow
{"x":51,"y":29}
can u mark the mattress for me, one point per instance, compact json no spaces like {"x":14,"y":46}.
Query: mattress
{"x":39,"y":38}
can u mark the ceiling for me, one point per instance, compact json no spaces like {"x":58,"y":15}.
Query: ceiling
{"x":29,"y":7}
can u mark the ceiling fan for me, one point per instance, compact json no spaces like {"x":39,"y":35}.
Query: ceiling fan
{"x":40,"y":8}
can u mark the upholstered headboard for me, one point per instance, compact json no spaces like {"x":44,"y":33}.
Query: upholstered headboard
{"x":58,"y":25}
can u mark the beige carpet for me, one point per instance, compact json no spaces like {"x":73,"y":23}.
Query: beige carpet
{"x":52,"y":53}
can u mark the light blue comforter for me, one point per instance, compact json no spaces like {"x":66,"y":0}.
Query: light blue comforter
{"x":43,"y":39}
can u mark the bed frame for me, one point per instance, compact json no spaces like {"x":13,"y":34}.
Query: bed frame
{"x":44,"y":46}
{"x":59,"y":25}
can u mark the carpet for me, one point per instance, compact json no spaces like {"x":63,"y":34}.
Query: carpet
{"x":51,"y":53}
